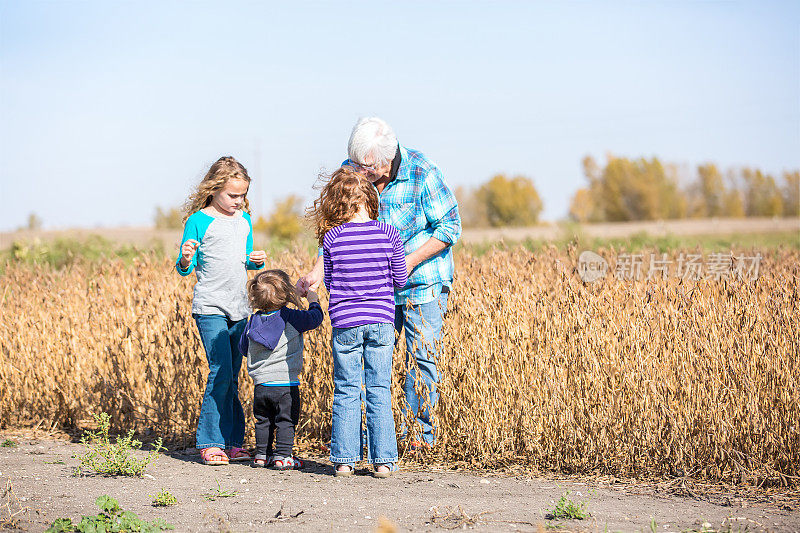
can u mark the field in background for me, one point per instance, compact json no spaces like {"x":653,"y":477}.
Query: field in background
{"x":539,"y":370}
{"x":676,"y":231}
{"x":656,"y":229}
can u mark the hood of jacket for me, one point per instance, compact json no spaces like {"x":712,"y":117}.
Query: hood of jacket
{"x":266,"y":329}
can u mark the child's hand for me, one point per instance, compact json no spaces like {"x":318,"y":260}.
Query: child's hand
{"x":258,"y":257}
{"x":187,"y":251}
{"x":312,"y":296}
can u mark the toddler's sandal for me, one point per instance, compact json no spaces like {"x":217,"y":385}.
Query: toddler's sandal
{"x":287,"y":463}
{"x":383,"y":474}
{"x":343,"y":470}
{"x":261,"y":461}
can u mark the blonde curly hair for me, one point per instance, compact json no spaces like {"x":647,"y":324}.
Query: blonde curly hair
{"x":224,"y":169}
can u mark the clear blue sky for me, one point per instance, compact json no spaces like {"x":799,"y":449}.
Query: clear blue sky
{"x":108,"y":109}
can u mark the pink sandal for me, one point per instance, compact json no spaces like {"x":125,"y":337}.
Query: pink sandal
{"x":213,"y":456}
{"x":239,"y":455}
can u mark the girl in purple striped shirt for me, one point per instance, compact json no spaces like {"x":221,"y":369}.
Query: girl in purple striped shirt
{"x":364,"y":263}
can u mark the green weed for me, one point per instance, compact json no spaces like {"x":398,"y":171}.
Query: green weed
{"x":110,"y":518}
{"x":116,"y":459}
{"x":569,"y":509}
{"x":164,"y":498}
{"x":219,"y":493}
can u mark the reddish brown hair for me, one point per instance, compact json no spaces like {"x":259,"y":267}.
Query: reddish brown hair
{"x":342,"y":196}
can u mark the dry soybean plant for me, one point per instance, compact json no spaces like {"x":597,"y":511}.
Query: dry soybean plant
{"x":539,"y":369}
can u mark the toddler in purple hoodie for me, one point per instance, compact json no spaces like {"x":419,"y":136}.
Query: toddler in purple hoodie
{"x":273,"y":344}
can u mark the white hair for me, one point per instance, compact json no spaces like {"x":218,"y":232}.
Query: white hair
{"x":372,"y":138}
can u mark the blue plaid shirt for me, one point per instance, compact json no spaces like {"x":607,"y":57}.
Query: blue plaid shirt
{"x":420,"y":205}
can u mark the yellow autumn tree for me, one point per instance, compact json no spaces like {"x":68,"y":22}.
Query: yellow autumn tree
{"x":285,"y":221}
{"x":791,"y":194}
{"x":763,"y":198}
{"x":582,"y":207}
{"x":510,"y":202}
{"x":170,"y":218}
{"x":711,"y":189}
{"x":638,"y":189}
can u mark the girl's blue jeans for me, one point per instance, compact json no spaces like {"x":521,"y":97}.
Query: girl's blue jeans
{"x":221,"y":422}
{"x":363,"y":351}
{"x":423,"y":325}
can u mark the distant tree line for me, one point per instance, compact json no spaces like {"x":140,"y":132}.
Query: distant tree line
{"x":624,"y":189}
{"x":285,"y":221}
{"x":501,"y":201}
{"x":647,"y":189}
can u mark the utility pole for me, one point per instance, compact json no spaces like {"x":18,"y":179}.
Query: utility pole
{"x":258,"y":192}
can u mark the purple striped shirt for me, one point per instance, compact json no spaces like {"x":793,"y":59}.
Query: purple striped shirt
{"x":364,"y":263}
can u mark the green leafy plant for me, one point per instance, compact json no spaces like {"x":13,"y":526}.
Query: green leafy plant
{"x":9,"y":443}
{"x":164,"y":498}
{"x":567,"y":508}
{"x":110,"y":518}
{"x":219,"y":493}
{"x":115,"y":459}
{"x":64,"y":251}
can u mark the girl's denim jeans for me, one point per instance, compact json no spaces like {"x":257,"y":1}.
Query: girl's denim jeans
{"x":363,"y":351}
{"x":221,"y":422}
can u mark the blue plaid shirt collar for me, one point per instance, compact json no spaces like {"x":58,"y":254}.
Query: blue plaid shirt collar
{"x":403,"y":169}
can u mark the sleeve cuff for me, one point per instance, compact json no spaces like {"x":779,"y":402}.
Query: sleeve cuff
{"x":181,"y":271}
{"x":443,"y":236}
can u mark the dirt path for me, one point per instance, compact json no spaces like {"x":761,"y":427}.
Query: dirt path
{"x":313,"y":500}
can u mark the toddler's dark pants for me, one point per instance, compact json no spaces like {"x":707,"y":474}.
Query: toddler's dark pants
{"x":277,"y":411}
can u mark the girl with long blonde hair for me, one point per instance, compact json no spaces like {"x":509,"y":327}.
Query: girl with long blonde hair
{"x":217,"y":245}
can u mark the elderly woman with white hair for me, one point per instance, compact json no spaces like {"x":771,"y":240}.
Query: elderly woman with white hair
{"x":415,"y":199}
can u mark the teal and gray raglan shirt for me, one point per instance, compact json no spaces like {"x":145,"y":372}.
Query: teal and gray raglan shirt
{"x":220,"y":262}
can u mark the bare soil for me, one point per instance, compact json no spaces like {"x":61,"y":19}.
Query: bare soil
{"x":40,"y":487}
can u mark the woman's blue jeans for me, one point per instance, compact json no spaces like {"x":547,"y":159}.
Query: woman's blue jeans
{"x":221,"y":422}
{"x":363,"y":351}
{"x":423,"y":325}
